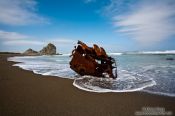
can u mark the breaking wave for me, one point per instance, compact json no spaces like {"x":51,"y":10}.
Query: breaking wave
{"x":158,"y":52}
{"x":45,"y":65}
{"x":126,"y":82}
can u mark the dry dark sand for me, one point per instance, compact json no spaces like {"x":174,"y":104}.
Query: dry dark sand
{"x":23,"y":93}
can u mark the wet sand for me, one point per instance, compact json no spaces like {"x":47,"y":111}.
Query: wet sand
{"x":23,"y":93}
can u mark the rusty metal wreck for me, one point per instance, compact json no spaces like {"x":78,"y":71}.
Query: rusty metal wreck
{"x":92,"y":61}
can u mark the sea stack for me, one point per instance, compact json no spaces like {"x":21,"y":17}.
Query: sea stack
{"x":50,"y":49}
{"x":30,"y":52}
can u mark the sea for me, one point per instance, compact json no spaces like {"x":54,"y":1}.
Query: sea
{"x":148,"y":72}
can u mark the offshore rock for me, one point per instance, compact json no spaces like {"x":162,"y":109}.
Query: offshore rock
{"x":169,"y":58}
{"x":30,"y":52}
{"x":50,"y":49}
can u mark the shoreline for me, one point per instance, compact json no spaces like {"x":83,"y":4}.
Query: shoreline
{"x":25,"y":93}
{"x":105,"y":91}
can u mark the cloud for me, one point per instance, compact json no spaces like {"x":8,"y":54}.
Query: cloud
{"x":63,"y":41}
{"x":23,"y":42}
{"x":14,"y":38}
{"x":89,"y":1}
{"x":4,"y":35}
{"x":11,"y":40}
{"x":20,"y":12}
{"x":148,"y":23}
{"x":114,"y":7}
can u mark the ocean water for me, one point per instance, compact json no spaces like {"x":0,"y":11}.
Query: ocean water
{"x":136,"y":72}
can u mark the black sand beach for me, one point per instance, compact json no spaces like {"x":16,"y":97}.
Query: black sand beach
{"x":23,"y":93}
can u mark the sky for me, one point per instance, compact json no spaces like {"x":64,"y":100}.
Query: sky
{"x":116,"y":25}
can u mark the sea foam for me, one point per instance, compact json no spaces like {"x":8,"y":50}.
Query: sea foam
{"x":126,"y":82}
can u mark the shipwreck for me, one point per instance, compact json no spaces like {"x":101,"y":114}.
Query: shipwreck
{"x":92,"y":61}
